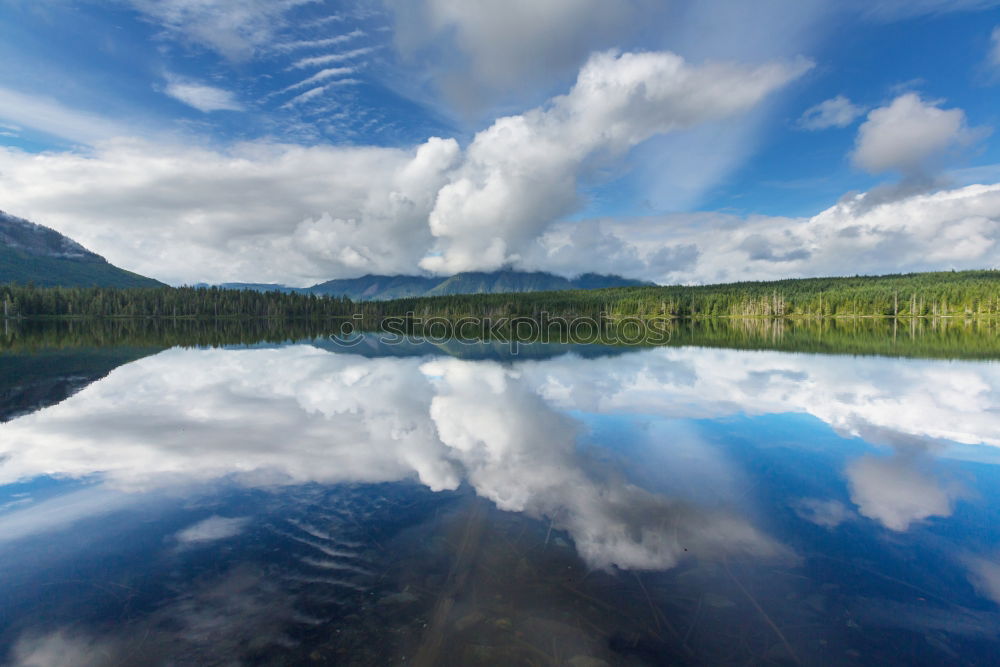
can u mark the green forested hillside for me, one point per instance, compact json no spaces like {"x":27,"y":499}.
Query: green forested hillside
{"x":904,"y":295}
{"x":20,"y":267}
{"x":32,"y":253}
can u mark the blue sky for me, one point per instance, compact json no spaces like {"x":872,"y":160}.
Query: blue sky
{"x":299,"y":140}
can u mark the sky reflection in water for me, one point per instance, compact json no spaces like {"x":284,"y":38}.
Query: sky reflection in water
{"x":674,"y":504}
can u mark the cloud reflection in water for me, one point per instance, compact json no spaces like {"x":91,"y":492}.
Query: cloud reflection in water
{"x":297,"y":414}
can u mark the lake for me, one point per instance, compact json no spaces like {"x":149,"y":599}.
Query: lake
{"x":274,"y":497}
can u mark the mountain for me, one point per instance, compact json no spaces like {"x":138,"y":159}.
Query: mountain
{"x":33,"y":253}
{"x":380,"y":288}
{"x":372,"y":288}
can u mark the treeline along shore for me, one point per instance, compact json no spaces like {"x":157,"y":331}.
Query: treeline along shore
{"x":28,"y":301}
{"x":915,"y":295}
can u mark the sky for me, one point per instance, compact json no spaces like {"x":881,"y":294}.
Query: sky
{"x":296,"y":141}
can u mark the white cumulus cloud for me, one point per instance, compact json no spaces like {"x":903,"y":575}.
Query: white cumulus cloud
{"x":522,"y":172}
{"x":907,"y":134}
{"x":280,"y":213}
{"x":481,"y":59}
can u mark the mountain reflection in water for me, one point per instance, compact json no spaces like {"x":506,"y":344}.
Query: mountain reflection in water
{"x":290,"y":503}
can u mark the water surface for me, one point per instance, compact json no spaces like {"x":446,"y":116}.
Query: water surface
{"x":295,"y":501}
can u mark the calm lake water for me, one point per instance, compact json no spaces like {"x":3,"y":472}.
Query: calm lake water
{"x":454,"y":504}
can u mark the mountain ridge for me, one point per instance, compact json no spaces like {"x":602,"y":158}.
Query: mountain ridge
{"x":376,"y":287}
{"x":34,"y":253}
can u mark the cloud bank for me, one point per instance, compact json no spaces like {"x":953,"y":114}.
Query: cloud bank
{"x":943,"y":230}
{"x":268,"y":212}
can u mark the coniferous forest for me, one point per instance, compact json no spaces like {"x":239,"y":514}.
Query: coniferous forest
{"x":167,"y":302}
{"x":972,"y":293}
{"x":940,"y":294}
